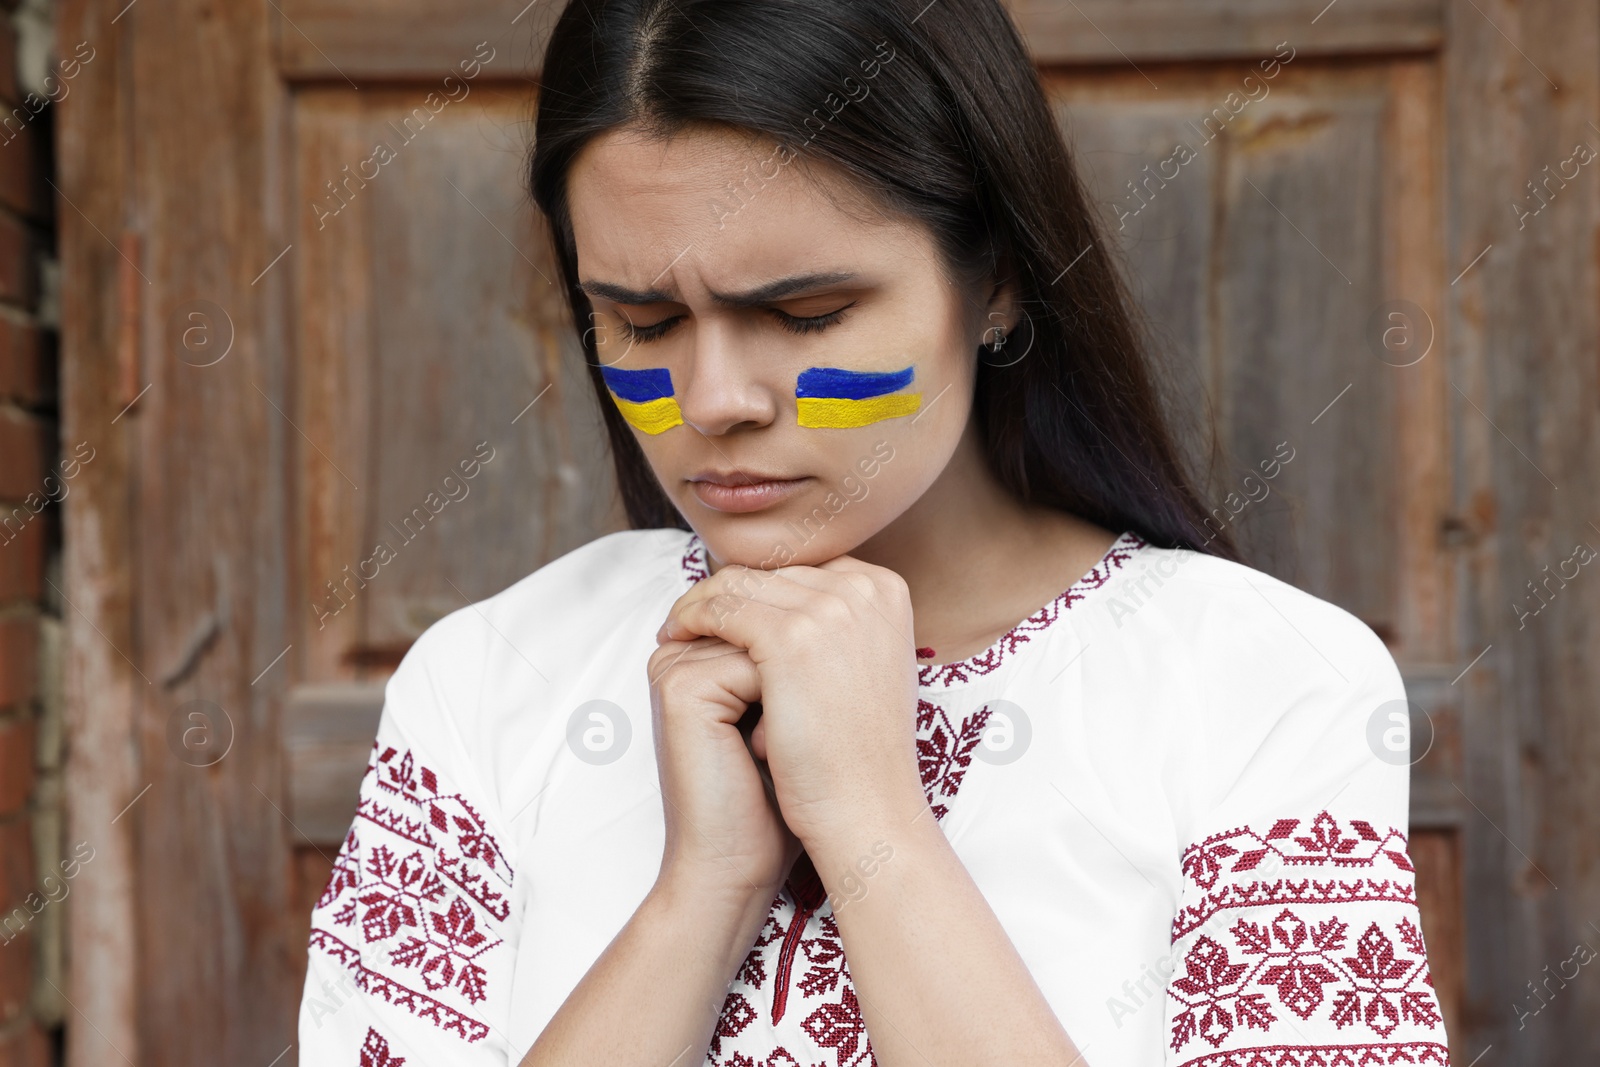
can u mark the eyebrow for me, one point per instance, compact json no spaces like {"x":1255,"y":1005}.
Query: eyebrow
{"x":761,"y":294}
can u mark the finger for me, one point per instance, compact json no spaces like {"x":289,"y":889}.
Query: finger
{"x":843,"y":576}
{"x":881,"y":589}
{"x":744,"y":623}
{"x":727,"y":599}
{"x":729,"y":683}
{"x":863,"y":577}
{"x":699,"y":648}
{"x":733,"y":579}
{"x":859,"y":585}
{"x":757,"y":744}
{"x":758,"y":739}
{"x":847,"y":562}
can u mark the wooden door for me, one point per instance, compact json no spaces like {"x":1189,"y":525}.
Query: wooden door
{"x":291,"y":346}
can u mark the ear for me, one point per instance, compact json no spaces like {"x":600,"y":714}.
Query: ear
{"x":1003,"y":310}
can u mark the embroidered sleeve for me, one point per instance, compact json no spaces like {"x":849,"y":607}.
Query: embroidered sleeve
{"x":1297,"y":938}
{"x":412,"y":941}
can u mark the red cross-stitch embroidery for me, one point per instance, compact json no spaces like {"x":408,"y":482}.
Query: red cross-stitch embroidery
{"x":1409,"y":1053}
{"x":381,"y":985}
{"x":943,"y":675}
{"x":1323,"y":849}
{"x":443,"y":813}
{"x":431,"y":910}
{"x":1369,"y":983}
{"x":694,"y":562}
{"x":801,"y":936}
{"x":1318,"y":943}
{"x":375,"y":1052}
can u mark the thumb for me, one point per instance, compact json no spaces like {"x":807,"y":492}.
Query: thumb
{"x":758,"y":740}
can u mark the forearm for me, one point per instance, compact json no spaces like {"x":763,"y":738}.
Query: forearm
{"x":937,"y":977}
{"x":653,"y":996}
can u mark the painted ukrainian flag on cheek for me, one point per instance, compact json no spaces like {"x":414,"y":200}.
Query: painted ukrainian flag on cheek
{"x":644,"y":397}
{"x":834,"y":398}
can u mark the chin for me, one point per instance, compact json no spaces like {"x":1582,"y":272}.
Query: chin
{"x":776,"y":538}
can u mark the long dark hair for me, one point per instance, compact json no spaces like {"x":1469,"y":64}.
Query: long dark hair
{"x":935,"y":109}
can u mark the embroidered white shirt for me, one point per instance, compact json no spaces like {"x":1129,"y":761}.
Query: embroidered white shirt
{"x":1166,"y":783}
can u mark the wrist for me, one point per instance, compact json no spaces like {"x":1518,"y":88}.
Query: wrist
{"x":729,"y":915}
{"x":852,"y":843}
{"x":883,"y":862}
{"x":697,"y":885}
{"x":848,"y":826}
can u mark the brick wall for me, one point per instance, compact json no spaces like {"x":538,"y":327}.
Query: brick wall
{"x":31,"y":846}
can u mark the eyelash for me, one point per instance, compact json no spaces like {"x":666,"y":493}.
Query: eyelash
{"x":792,"y":323}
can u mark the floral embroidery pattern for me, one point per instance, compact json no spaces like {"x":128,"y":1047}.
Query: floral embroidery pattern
{"x":944,"y":753}
{"x":381,"y":985}
{"x":1331,"y":951}
{"x":1410,"y":1053}
{"x":375,"y":1052}
{"x":395,"y":903}
{"x":1374,"y":984}
{"x":694,"y":563}
{"x":431,"y":909}
{"x":1323,"y":845}
{"x":801,"y":932}
{"x":447,"y":814}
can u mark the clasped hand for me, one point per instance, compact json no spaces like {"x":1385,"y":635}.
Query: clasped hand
{"x":828,"y":652}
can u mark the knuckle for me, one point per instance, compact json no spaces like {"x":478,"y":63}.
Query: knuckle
{"x":894,"y":587}
{"x":662,"y":657}
{"x":832,"y":611}
{"x":677,"y":687}
{"x":722,"y":606}
{"x":800,"y":628}
{"x":669,"y":668}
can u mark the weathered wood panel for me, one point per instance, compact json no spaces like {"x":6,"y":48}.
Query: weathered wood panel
{"x":1263,"y":228}
{"x":1118,"y":32}
{"x":103,"y":686}
{"x":328,"y":732}
{"x":456,"y":441}
{"x":1165,"y":232}
{"x":1522,"y":89}
{"x":211,"y":535}
{"x":1303,"y":245}
{"x":1437,"y":855}
{"x":378,"y":39}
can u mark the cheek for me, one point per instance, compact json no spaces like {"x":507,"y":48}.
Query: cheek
{"x":840,"y":398}
{"x":644,"y":397}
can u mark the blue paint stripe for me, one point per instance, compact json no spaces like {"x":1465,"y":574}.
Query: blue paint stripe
{"x":640,"y":386}
{"x":850,"y":384}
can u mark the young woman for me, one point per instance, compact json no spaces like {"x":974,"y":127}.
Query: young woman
{"x":926,"y":715}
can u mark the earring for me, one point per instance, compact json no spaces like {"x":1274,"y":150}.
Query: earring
{"x":993,"y":349}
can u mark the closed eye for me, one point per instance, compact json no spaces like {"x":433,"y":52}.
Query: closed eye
{"x":793,"y":323}
{"x":645,"y":334}
{"x":813,"y":324}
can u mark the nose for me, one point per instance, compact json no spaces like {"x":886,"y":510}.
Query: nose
{"x":720,"y":392}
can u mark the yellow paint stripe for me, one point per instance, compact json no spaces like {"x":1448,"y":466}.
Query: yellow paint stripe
{"x":652,"y":416}
{"x":839,"y":414}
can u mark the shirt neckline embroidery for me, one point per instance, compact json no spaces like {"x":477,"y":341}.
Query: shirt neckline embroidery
{"x":938,"y":676}
{"x":801,"y":933}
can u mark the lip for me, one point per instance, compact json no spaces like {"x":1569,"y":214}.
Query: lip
{"x":742,"y":491}
{"x":738,"y":476}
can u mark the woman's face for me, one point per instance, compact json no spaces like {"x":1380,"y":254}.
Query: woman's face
{"x":754,"y":330}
